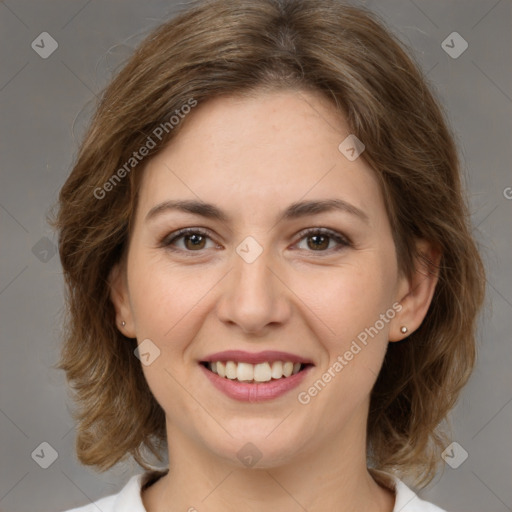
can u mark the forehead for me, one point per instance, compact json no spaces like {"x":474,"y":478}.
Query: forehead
{"x":248,"y":153}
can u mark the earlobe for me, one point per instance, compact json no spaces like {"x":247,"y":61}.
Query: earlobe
{"x":416,"y":292}
{"x":120,"y":299}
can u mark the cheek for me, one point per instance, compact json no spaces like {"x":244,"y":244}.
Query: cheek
{"x":350,"y":303}
{"x":163,"y":294}
{"x":170,"y":303}
{"x":355,"y":302}
{"x":166,"y":302}
{"x":349,"y":298}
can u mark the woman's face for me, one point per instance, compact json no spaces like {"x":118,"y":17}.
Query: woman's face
{"x":254,"y":281}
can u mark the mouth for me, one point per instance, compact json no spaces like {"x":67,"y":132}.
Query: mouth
{"x":255,"y":377}
{"x":248,"y":373}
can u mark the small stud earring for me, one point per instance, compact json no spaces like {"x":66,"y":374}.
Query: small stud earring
{"x":123,"y":323}
{"x":403,"y":329}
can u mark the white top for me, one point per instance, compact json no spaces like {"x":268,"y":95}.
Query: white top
{"x":129,"y":498}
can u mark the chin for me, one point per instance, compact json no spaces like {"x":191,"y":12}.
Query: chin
{"x":253,"y":447}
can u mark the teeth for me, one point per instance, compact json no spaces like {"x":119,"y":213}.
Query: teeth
{"x":277,"y":369}
{"x":231,"y":370}
{"x":261,"y":372}
{"x":244,"y":371}
{"x":287,"y":368}
{"x":220,"y":370}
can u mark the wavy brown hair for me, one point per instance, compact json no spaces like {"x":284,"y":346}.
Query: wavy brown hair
{"x":226,"y":47}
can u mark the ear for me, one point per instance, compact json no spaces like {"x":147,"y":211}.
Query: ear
{"x":415,"y":292}
{"x":121,"y":300}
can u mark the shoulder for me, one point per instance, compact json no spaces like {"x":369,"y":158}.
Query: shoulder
{"x":129,"y":499}
{"x":406,"y":500}
{"x":105,"y":504}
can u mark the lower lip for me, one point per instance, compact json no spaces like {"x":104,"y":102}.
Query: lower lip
{"x":255,"y":392}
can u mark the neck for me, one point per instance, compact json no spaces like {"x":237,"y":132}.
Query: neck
{"x":328,"y":476}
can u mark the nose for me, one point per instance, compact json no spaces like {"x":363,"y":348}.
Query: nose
{"x":254,"y":295}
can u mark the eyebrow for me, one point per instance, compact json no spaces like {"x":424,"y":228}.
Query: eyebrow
{"x":294,"y":211}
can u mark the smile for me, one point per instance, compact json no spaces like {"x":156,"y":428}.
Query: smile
{"x":250,"y":377}
{"x":261,"y":372}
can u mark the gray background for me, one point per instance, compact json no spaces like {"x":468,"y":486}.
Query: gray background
{"x":45,"y":104}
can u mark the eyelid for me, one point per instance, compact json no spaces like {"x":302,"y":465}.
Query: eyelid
{"x":179,"y":233}
{"x":340,"y":238}
{"x":335,"y":235}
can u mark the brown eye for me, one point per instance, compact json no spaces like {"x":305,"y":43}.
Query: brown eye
{"x":194,"y":240}
{"x":318,"y":240}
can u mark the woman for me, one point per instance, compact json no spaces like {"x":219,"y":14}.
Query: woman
{"x":270,"y":269}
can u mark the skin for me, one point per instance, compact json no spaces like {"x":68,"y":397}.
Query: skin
{"x":252,"y":157}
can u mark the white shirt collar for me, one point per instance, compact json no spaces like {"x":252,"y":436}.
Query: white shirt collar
{"x":406,"y":500}
{"x":130,"y":499}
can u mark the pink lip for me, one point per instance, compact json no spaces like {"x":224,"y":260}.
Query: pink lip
{"x":255,"y":358}
{"x":254,"y":392}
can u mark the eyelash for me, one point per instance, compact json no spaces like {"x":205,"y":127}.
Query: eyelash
{"x":342,"y":240}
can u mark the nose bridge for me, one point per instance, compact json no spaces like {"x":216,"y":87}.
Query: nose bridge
{"x":253,"y":296}
{"x":252,"y":278}
{"x":251,"y":267}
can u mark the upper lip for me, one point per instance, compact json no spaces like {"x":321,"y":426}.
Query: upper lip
{"x":255,"y":357}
